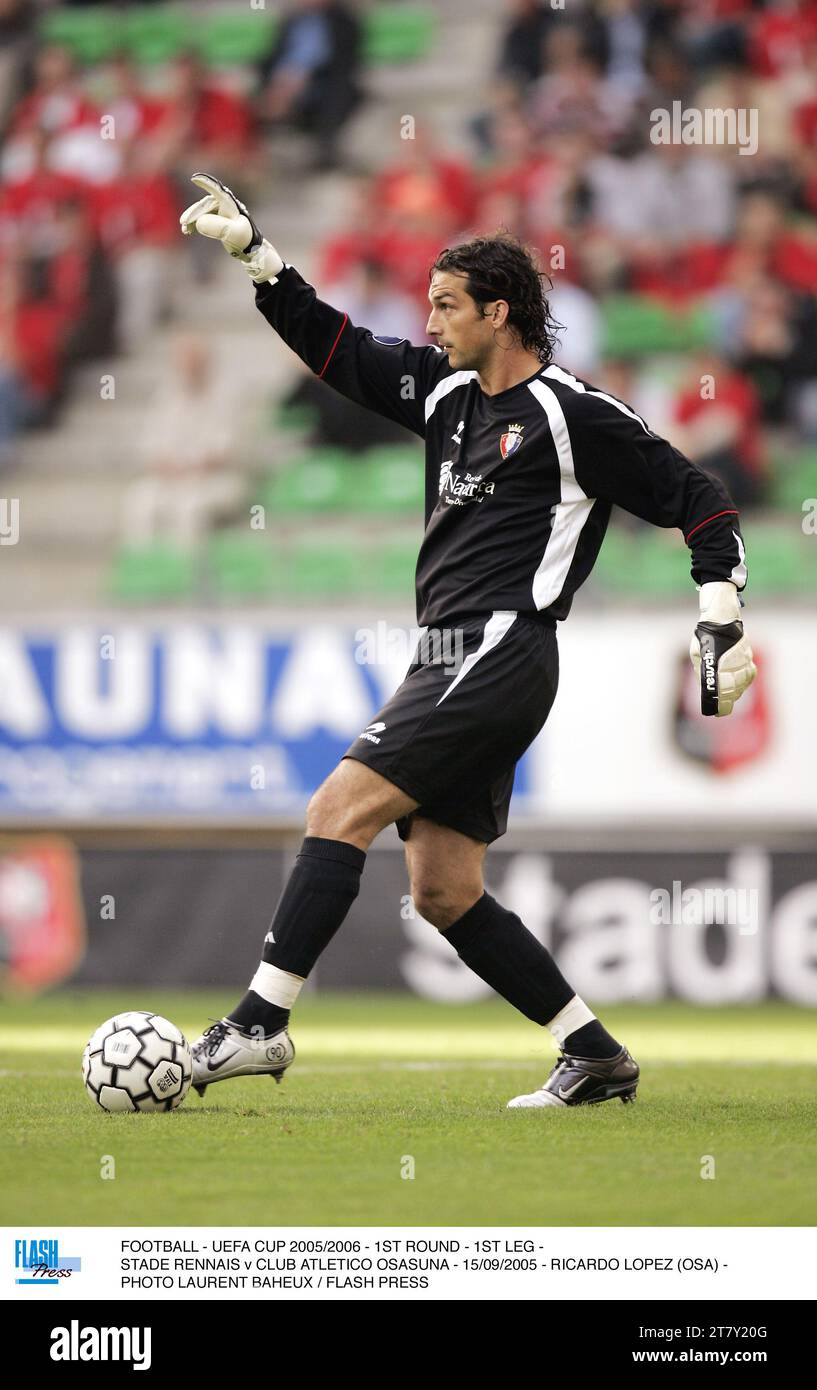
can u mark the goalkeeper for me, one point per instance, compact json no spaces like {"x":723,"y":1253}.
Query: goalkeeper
{"x":523,"y":465}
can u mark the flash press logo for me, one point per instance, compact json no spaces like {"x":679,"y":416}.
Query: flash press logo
{"x":75,"y":1343}
{"x":39,"y":1262}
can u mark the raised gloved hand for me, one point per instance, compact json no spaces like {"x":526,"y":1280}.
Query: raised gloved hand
{"x":222,"y":216}
{"x":719,"y":651}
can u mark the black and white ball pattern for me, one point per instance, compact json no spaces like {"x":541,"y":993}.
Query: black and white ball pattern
{"x":137,"y":1061}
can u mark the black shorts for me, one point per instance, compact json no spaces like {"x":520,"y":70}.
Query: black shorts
{"x":473,"y":700}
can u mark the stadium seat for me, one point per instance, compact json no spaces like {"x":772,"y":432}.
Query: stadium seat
{"x":326,"y":481}
{"x":293,"y":419}
{"x":610,"y":570}
{"x":153,"y":572}
{"x":392,"y":480}
{"x":664,"y":565}
{"x":393,"y":565}
{"x":635,"y":326}
{"x":776,"y":560}
{"x":314,"y":484}
{"x":243,"y":564}
{"x":156,"y":34}
{"x":794,"y":479}
{"x":397,"y":33}
{"x":228,"y":39}
{"x":648,"y":563}
{"x":92,"y":35}
{"x":323,"y":568}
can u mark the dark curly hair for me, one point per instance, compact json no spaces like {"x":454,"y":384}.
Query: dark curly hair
{"x":502,"y":267}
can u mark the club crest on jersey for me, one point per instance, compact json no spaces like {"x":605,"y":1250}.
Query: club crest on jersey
{"x":510,"y":441}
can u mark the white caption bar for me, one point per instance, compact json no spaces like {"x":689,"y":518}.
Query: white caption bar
{"x":404,"y":1263}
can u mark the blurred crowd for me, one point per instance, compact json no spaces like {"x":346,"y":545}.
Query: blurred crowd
{"x":565,"y":155}
{"x":94,"y":171}
{"x":562,"y":151}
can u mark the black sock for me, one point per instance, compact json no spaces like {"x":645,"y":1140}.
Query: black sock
{"x":591,"y":1040}
{"x":253,"y":1012}
{"x":318,"y":894}
{"x":500,"y":949}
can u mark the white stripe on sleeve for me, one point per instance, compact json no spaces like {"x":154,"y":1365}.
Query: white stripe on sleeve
{"x":569,"y":514}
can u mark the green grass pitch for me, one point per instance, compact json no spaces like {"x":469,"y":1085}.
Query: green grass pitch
{"x":379,"y":1078}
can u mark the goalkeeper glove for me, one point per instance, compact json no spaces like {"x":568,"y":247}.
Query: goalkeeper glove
{"x":219,"y":214}
{"x":719,"y":651}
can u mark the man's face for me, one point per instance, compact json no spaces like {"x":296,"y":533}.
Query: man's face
{"x":455,"y":322}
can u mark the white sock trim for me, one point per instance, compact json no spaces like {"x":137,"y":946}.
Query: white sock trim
{"x":276,"y":986}
{"x":574,"y":1015}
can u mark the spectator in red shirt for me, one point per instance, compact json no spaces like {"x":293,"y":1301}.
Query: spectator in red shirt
{"x":30,"y":204}
{"x":781,"y":36}
{"x":58,"y":106}
{"x":204,"y":126}
{"x":56,"y":102}
{"x":764,"y":242}
{"x":718,"y":414}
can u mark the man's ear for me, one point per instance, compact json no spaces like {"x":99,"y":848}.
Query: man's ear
{"x":501,"y":311}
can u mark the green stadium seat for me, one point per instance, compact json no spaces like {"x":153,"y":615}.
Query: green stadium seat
{"x":392,"y":33}
{"x":319,"y":483}
{"x":153,"y":572}
{"x":392,"y":481}
{"x":776,"y":560}
{"x":294,"y":419}
{"x":664,"y":565}
{"x":243,"y":564}
{"x":156,"y":34}
{"x":648,"y":564}
{"x":91,"y":35}
{"x":397,"y":33}
{"x":228,"y":39}
{"x":634,"y":326}
{"x":325,"y":568}
{"x":808,"y":565}
{"x":393,"y":565}
{"x":611,"y":567}
{"x":793,"y":480}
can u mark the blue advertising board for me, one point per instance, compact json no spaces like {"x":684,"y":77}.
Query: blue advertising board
{"x":186,"y":720}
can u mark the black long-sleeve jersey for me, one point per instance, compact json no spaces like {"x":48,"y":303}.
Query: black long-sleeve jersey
{"x":519,"y":485}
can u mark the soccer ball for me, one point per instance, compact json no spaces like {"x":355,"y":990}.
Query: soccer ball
{"x":137,"y":1061}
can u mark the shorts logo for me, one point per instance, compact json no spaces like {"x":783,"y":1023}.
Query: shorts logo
{"x":371,"y":731}
{"x":511,"y":440}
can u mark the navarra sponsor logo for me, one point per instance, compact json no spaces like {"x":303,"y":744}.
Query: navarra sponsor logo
{"x":456,"y":489}
{"x":371,"y":732}
{"x":127,"y":1344}
{"x":511,"y":440}
{"x":38,"y":1261}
